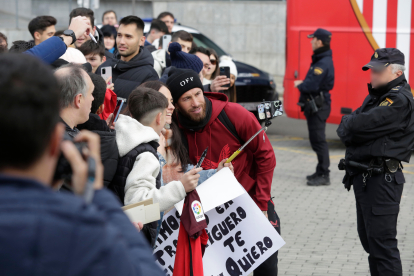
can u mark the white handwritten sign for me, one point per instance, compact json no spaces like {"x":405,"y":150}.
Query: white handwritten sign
{"x":240,"y":239}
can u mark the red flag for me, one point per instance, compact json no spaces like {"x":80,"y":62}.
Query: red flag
{"x":192,"y":238}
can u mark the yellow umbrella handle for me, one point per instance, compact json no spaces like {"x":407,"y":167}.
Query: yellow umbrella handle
{"x":234,"y":155}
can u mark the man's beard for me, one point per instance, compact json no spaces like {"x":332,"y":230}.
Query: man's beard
{"x":196,"y":118}
{"x":128,"y":53}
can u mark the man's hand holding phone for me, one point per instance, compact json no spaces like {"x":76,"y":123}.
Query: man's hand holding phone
{"x":79,"y":162}
{"x":80,"y":25}
{"x":110,"y":121}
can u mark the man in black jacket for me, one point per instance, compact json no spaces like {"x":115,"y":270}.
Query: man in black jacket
{"x":378,"y":136}
{"x":75,"y":88}
{"x":134,"y":64}
{"x":315,"y":89}
{"x":109,"y":148}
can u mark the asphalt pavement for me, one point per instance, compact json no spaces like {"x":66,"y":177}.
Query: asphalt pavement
{"x":319,"y":223}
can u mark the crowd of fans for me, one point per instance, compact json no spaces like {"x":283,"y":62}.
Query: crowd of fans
{"x":149,"y":152}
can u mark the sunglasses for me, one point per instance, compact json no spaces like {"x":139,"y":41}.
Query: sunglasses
{"x":213,"y":61}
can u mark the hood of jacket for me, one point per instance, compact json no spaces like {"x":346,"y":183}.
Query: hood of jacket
{"x":218,"y":102}
{"x":143,"y":58}
{"x":130,"y":133}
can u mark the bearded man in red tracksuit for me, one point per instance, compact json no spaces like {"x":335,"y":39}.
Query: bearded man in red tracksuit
{"x":204,"y":124}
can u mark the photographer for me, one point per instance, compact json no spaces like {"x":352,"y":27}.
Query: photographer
{"x":44,"y":232}
{"x":209,"y":120}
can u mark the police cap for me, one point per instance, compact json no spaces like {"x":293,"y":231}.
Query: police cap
{"x":383,"y":57}
{"x":321,"y":34}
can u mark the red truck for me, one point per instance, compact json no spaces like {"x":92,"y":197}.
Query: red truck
{"x":358,"y":28}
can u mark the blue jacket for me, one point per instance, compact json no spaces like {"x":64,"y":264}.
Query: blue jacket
{"x":43,"y":232}
{"x":320,"y":77}
{"x":49,"y":50}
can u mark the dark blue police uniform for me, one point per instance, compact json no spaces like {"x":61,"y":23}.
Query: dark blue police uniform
{"x":378,"y":136}
{"x":316,"y":86}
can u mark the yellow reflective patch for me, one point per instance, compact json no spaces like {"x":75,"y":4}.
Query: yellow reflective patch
{"x":318,"y":71}
{"x":386,"y":102}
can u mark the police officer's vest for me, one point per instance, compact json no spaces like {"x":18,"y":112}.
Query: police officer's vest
{"x":398,"y":145}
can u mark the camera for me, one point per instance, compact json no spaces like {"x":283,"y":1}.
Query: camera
{"x":269,"y":109}
{"x":63,"y":168}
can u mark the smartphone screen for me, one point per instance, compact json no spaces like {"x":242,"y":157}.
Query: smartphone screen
{"x":106,"y":73}
{"x":225,"y":71}
{"x":166,"y":39}
{"x":117,"y":110}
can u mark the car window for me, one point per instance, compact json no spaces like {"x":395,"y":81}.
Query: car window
{"x":205,"y":42}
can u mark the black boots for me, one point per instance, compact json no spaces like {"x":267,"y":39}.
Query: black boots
{"x":318,"y":180}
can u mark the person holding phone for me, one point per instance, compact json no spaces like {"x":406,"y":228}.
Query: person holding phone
{"x":162,"y":56}
{"x":90,"y":239}
{"x":133,"y":63}
{"x":220,"y":82}
{"x":230,"y":71}
{"x":157,"y":30}
{"x":213,"y":70}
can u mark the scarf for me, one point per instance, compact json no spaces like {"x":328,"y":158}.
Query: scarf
{"x":189,"y":124}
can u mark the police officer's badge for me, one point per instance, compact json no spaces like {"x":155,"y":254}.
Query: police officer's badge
{"x":318,"y":70}
{"x":376,"y":55}
{"x":386,"y":102}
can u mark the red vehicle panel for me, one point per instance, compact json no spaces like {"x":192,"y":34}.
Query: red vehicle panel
{"x":358,"y":27}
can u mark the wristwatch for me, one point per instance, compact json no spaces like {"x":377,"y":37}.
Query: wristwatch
{"x":70,"y":33}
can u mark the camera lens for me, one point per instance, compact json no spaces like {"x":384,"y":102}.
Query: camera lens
{"x":103,"y":71}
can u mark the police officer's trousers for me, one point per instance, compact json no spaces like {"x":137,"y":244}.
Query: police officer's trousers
{"x":269,"y":267}
{"x":316,"y":126}
{"x":377,"y":211}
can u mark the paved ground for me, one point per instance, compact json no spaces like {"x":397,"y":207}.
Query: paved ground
{"x":319,"y":223}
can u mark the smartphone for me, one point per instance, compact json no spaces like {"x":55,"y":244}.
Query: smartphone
{"x":106,"y":73}
{"x":119,"y":103}
{"x":166,"y":39}
{"x":261,"y":112}
{"x":225,"y":71}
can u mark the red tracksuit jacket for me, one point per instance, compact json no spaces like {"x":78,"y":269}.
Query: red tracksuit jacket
{"x":254,"y":166}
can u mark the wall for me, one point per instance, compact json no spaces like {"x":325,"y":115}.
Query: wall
{"x":252,"y":32}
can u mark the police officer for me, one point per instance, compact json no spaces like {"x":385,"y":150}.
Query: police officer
{"x":378,"y":136}
{"x":315,"y":101}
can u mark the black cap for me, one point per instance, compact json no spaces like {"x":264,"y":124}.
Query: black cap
{"x":182,"y":80}
{"x":383,"y":57}
{"x":321,"y":34}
